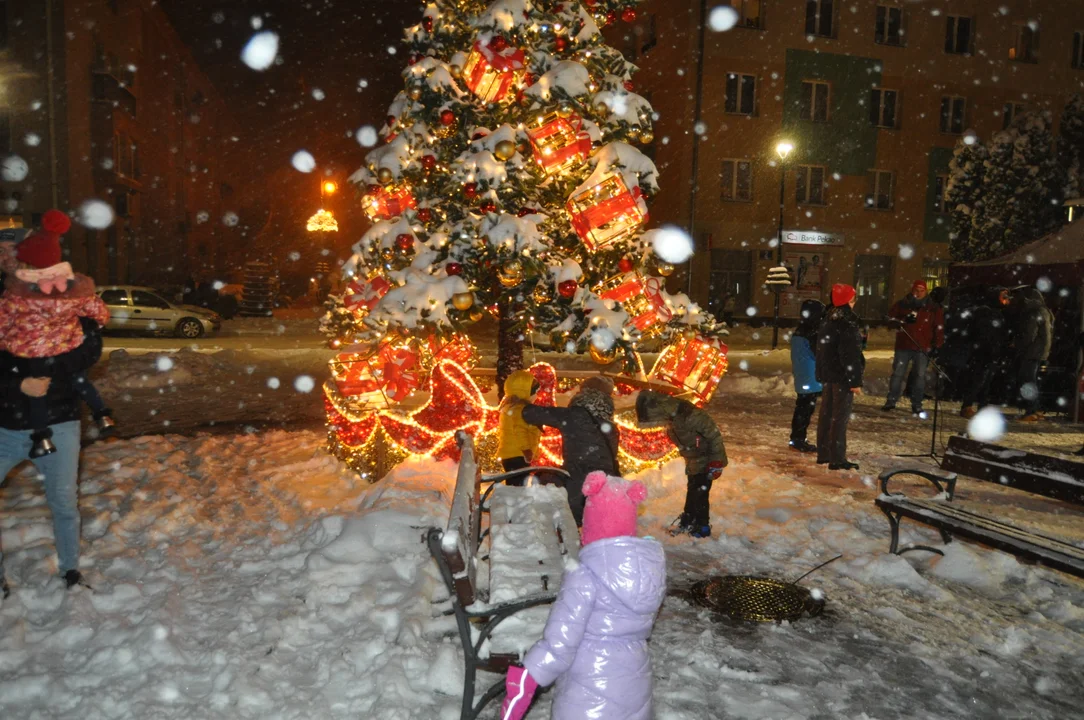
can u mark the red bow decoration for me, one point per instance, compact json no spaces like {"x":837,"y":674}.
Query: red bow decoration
{"x":365,"y":294}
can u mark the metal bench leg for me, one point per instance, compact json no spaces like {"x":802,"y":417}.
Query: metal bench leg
{"x":893,"y":548}
{"x":894,"y":524}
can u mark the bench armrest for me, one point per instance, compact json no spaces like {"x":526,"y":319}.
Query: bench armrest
{"x":949,"y":480}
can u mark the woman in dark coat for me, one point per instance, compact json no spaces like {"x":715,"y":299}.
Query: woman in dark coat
{"x":589,"y":435}
{"x":840,"y":365}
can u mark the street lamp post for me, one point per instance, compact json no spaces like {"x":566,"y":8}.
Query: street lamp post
{"x":783,"y":149}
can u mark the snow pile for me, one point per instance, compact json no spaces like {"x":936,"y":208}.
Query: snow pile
{"x":635,"y":168}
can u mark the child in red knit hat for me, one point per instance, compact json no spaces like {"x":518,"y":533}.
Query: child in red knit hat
{"x":40,"y":311}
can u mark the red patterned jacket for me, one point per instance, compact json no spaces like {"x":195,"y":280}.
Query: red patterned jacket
{"x":33,"y":325}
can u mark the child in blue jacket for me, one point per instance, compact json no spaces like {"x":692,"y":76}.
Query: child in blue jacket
{"x":803,"y":362}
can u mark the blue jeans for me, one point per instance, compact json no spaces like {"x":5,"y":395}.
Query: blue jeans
{"x":61,"y":471}
{"x":900,"y":361}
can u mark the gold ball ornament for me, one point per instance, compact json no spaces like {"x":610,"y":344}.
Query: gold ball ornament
{"x":543,"y":292}
{"x":665,"y":269}
{"x":602,"y":109}
{"x":511,"y":274}
{"x":475,"y":315}
{"x":504,"y":150}
{"x":455,"y":71}
{"x":564,"y":111}
{"x":602,"y":357}
{"x":463,"y":301}
{"x":689,"y":333}
{"x":387,"y":253}
{"x":647,"y":137}
{"x":415,"y":93}
{"x":385,"y":175}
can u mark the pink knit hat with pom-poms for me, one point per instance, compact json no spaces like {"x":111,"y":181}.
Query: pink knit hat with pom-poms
{"x":611,"y":506}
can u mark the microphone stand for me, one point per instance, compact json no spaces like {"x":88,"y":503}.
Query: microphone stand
{"x":939,"y":375}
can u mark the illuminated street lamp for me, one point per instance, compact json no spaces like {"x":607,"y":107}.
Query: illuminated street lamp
{"x":782,"y":149}
{"x":330,"y":188}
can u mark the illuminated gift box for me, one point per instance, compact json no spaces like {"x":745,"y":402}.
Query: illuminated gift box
{"x":380,"y":378}
{"x":694,"y":364}
{"x":491,"y":69}
{"x":457,"y":348}
{"x":607,"y":212}
{"x":641,"y":298}
{"x":383,"y":202}
{"x":362,"y":294}
{"x":559,"y":143}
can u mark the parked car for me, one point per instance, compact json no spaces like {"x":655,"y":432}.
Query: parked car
{"x":144,"y":310}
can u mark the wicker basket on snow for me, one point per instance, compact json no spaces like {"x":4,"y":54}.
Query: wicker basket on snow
{"x":760,"y":599}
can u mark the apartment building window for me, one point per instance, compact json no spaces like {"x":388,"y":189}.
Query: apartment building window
{"x":737,"y":180}
{"x":1078,"y":50}
{"x":953,"y":110}
{"x":748,"y":13}
{"x":818,"y":18}
{"x":810,"y":184}
{"x":935,"y":272}
{"x":815,"y":96}
{"x":958,"y":35}
{"x":741,"y":93}
{"x":1009,"y":113}
{"x":889,"y":27}
{"x":882,"y":107}
{"x":879,"y":190}
{"x":125,"y":156}
{"x":1025,"y":44}
{"x":940,"y":195}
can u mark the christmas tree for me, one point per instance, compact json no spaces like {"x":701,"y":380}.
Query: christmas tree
{"x":1016,"y":197}
{"x":509,"y":182}
{"x":1071,"y":146}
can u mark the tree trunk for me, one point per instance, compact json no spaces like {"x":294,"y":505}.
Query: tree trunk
{"x":510,"y":335}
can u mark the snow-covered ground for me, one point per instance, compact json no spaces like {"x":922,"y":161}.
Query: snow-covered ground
{"x":250,"y":575}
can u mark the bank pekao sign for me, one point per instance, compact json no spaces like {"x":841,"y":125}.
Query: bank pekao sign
{"x":811,"y":237}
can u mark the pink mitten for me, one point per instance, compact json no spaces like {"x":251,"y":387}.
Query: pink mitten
{"x":520,"y":687}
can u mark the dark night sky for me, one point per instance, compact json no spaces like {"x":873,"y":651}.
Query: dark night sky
{"x":325,"y":44}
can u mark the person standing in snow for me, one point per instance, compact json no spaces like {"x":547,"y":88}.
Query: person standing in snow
{"x":594,"y":646}
{"x":980,"y":337}
{"x":701,"y":444}
{"x":921,"y":325}
{"x":1031,"y":344}
{"x":840,"y":365}
{"x":517,"y":441}
{"x":803,"y":362}
{"x":589,"y":435}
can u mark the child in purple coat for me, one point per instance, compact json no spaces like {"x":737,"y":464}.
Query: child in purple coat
{"x":595,"y":642}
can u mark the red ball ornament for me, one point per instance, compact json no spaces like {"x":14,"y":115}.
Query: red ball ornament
{"x":404,"y":241}
{"x":528,"y":80}
{"x":567,"y":289}
{"x":560,"y":44}
{"x":412,"y":59}
{"x":629,"y":86}
{"x":628,"y":15}
{"x":427,"y":23}
{"x":611,"y":17}
{"x":488,"y":206}
{"x":498,"y":43}
{"x":625,"y":265}
{"x":453,"y":268}
{"x":447,"y":117}
{"x":478,"y":135}
{"x":390,"y":137}
{"x":524,"y":212}
{"x":470,"y":190}
{"x":429,"y":161}
{"x":391,"y":121}
{"x":591,"y":3}
{"x":425,"y":214}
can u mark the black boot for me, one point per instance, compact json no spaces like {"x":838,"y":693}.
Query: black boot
{"x":845,"y":465}
{"x":43,"y":443}
{"x":803,"y":446}
{"x":5,"y":590}
{"x":682,"y":525}
{"x":105,"y":422}
{"x":73,"y":578}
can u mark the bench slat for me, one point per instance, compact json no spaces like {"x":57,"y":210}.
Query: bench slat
{"x":1040,"y":474}
{"x":941,"y":514}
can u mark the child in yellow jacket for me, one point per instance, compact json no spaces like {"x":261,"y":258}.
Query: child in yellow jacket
{"x":518,"y":440}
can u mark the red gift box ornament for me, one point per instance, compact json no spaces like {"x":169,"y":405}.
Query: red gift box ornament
{"x":607,"y":212}
{"x":559,"y":143}
{"x":383,"y":202}
{"x":362,"y":294}
{"x":694,"y":365}
{"x":359,"y":378}
{"x":401,"y":372}
{"x":641,"y":298}
{"x":492,"y":68}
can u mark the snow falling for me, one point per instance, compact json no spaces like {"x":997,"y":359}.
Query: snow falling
{"x":95,"y":214}
{"x":303,"y":161}
{"x":260,"y":51}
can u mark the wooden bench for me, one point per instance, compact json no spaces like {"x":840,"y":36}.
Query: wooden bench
{"x":531,"y":533}
{"x":1050,"y":477}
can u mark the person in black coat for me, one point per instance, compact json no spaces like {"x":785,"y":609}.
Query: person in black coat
{"x":588,"y":434}
{"x":983,"y":336}
{"x":840,"y":365}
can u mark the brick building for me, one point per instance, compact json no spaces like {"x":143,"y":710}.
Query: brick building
{"x":103,"y":100}
{"x":873,"y":95}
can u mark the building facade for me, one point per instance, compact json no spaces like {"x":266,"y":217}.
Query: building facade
{"x":103,"y":101}
{"x":873,"y":95}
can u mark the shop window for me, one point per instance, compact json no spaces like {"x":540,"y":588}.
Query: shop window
{"x":731,"y":275}
{"x":872,"y":278}
{"x":935,"y":273}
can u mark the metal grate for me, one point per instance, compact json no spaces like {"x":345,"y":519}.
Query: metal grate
{"x":760,"y":599}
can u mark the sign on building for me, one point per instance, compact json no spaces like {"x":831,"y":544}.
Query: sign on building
{"x":811,"y":237}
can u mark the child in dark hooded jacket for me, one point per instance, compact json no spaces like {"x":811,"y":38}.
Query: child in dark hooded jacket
{"x":701,"y":444}
{"x":803,"y":361}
